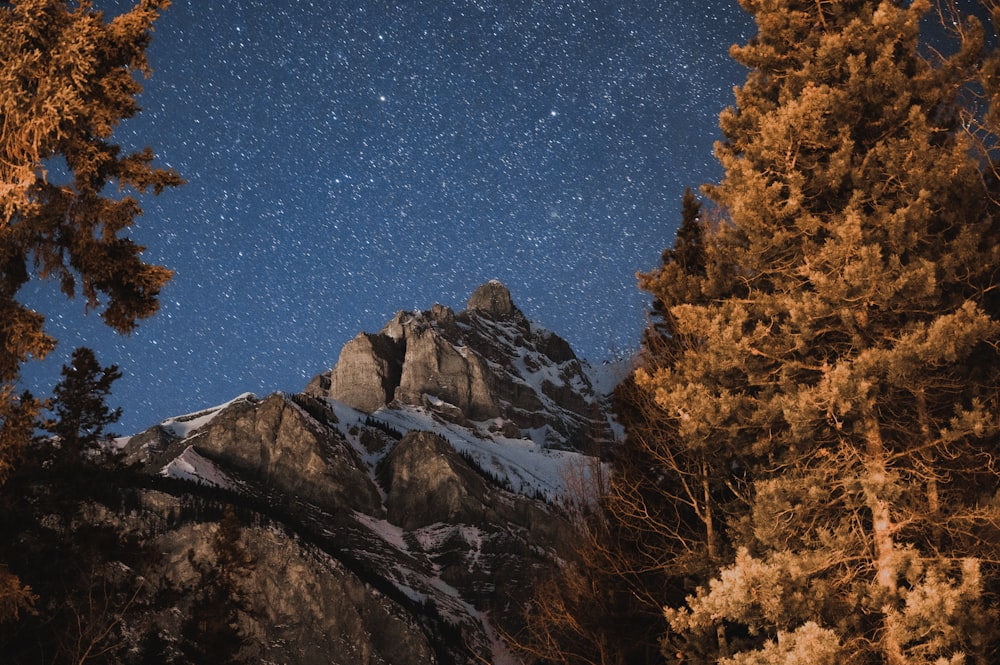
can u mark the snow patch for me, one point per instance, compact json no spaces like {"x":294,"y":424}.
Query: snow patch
{"x":192,"y":466}
{"x":607,"y":375}
{"x":525,"y":466}
{"x":390,"y":533}
{"x":183,"y":426}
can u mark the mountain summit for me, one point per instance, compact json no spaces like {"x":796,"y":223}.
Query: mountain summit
{"x":494,"y":299}
{"x":487,"y":367}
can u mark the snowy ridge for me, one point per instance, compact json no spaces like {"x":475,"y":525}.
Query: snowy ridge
{"x":522,"y":465}
{"x":183,"y":426}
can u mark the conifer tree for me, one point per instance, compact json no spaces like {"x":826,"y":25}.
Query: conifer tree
{"x":685,"y":263}
{"x":839,"y":356}
{"x":66,"y":81}
{"x":684,"y":490}
{"x":669,"y":501}
{"x":80,"y":403}
{"x":211,"y":629}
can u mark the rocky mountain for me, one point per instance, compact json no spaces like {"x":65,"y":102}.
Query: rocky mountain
{"x":487,"y":364}
{"x":398,"y":510}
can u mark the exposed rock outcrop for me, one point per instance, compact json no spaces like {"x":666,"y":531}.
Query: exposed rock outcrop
{"x":276,"y":442}
{"x":303,"y":606}
{"x":368,"y":371}
{"x":486,"y":363}
{"x":427,"y":482}
{"x":435,"y":366}
{"x":294,"y":602}
{"x":494,"y":299}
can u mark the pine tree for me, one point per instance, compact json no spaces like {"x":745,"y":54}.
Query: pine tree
{"x":692,"y":500}
{"x":669,"y":499}
{"x":839,"y":357}
{"x":80,"y":403}
{"x":211,"y":630}
{"x":66,"y":81}
{"x":681,"y":267}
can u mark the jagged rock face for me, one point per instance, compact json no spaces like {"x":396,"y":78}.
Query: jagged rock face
{"x":405,"y":514}
{"x":368,"y":371}
{"x":427,"y":482}
{"x":147,"y":447}
{"x":304,"y":607}
{"x":298,"y":605}
{"x":433,"y":366}
{"x":481,"y":540}
{"x":276,"y":442}
{"x":326,"y":613}
{"x":487,"y":362}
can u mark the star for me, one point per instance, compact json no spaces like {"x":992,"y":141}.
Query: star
{"x":281,"y":257}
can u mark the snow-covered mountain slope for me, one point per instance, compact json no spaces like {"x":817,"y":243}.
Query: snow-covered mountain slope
{"x":456,"y":519}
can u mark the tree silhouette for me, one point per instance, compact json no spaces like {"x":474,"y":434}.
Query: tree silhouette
{"x":212,"y":628}
{"x":80,"y":403}
{"x":67,"y":79}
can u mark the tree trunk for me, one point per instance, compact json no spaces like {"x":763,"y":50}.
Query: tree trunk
{"x":886,"y":573}
{"x":933,"y":496}
{"x":712,"y":546}
{"x":711,"y":539}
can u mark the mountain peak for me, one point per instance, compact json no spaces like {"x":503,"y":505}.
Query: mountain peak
{"x":487,"y":366}
{"x":494,"y":299}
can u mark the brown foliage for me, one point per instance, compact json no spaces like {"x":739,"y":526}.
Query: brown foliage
{"x":67,"y":79}
{"x":14,"y":596}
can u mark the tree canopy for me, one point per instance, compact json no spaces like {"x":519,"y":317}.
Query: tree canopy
{"x":67,"y":190}
{"x":80,"y":403}
{"x":836,"y":366}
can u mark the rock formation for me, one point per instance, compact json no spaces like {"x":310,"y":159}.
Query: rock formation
{"x":370,"y":368}
{"x":277,"y":443}
{"x":494,"y":299}
{"x":427,"y":483}
{"x":486,"y":363}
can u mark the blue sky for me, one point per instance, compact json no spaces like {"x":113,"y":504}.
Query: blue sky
{"x":347,"y":160}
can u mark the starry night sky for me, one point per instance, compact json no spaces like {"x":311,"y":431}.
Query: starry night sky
{"x":349,"y":159}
